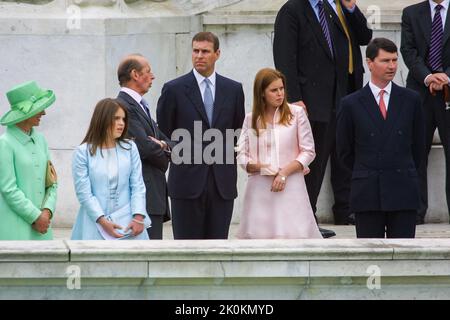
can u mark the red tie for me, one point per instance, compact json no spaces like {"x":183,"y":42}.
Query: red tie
{"x":382,"y":105}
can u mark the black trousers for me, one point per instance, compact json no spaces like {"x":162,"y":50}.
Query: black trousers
{"x":324,"y":134}
{"x":392,"y":224}
{"x":206,"y":217}
{"x":155,"y":232}
{"x":435,"y":117}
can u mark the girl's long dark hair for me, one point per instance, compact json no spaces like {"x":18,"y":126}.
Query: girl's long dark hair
{"x":101,"y":123}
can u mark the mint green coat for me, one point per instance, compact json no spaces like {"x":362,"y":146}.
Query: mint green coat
{"x":23,"y":165}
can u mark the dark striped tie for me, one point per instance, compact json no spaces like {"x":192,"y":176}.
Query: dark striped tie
{"x":437,"y":33}
{"x":324,"y":25}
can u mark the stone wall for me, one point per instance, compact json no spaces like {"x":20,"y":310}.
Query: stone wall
{"x":74,"y":46}
{"x":226,"y":269}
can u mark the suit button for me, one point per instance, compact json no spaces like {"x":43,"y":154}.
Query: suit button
{"x":372,"y":134}
{"x":400,"y":132}
{"x":398,"y":170}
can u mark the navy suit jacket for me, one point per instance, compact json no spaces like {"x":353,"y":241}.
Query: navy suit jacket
{"x":179,"y":107}
{"x":416,"y":37}
{"x":383,"y":155}
{"x":154,"y":160}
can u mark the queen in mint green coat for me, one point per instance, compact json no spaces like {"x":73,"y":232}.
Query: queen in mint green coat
{"x":23,"y":166}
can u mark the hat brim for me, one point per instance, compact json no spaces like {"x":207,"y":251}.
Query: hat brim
{"x":16,"y":116}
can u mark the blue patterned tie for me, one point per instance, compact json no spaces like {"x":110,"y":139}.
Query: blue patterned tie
{"x":437,"y":33}
{"x":324,"y":25}
{"x":208,"y":101}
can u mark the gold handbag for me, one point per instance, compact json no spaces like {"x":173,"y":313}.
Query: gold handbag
{"x":50,"y":177}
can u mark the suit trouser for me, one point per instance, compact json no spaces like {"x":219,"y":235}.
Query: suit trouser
{"x":435,"y":116}
{"x":395,"y":224}
{"x":324,"y":134}
{"x":155,"y":232}
{"x":206,"y":217}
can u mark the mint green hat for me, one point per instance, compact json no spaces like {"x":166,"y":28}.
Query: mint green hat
{"x":26,"y":100}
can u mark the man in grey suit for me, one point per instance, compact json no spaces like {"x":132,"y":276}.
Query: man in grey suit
{"x":135,"y":78}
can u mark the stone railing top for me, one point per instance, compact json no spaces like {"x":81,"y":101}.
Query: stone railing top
{"x":226,"y":250}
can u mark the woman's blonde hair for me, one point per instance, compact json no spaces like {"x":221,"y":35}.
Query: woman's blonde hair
{"x":263,"y":79}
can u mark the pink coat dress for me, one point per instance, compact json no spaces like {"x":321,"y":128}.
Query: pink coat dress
{"x":277,"y":215}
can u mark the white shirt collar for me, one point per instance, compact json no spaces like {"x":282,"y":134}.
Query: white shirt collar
{"x":136,"y":96}
{"x":376,"y":90}
{"x":200,"y":78}
{"x":433,"y":5}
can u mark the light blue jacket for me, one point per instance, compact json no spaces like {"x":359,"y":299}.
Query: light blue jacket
{"x":90,"y":175}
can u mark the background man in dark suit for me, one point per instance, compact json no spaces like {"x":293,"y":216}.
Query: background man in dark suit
{"x":426,"y":51}
{"x":202,"y":192}
{"x":381,"y":140}
{"x":316,"y":45}
{"x":135,"y":78}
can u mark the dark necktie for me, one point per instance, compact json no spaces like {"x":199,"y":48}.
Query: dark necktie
{"x":145,"y":105}
{"x":324,"y":25}
{"x":437,"y":33}
{"x":147,"y":111}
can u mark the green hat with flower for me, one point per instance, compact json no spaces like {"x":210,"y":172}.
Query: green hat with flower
{"x":26,"y":100}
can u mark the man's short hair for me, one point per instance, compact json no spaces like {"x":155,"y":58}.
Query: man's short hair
{"x":126,"y":66}
{"x":374,"y":46}
{"x":207,"y":36}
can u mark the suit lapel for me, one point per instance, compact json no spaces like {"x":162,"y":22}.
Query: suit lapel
{"x":133,"y":104}
{"x":193,"y":93}
{"x":334,"y":16}
{"x":372,"y":108}
{"x":424,"y":17}
{"x":219,"y":100}
{"x":446,"y":28}
{"x":314,"y":22}
{"x":395,"y":107}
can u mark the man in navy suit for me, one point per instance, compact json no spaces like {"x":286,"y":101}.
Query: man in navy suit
{"x":381,"y":140}
{"x":135,"y":78}
{"x":426,"y":51}
{"x":196,"y":106}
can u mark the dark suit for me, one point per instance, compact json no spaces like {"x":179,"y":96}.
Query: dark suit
{"x":416,"y":35}
{"x":202,"y":194}
{"x":154,"y":162}
{"x":383,"y":156}
{"x":320,"y":78}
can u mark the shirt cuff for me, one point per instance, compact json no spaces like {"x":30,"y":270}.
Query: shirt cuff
{"x":425,"y":80}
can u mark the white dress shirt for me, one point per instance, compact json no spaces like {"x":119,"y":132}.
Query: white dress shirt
{"x":202,"y":85}
{"x":376,"y":93}
{"x":136,"y":96}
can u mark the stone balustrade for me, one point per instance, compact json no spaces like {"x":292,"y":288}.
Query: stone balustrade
{"x":226,"y":269}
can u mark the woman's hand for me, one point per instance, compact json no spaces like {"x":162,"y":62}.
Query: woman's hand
{"x":256,"y":167}
{"x":110,"y":227}
{"x":136,"y":225}
{"x":42,"y":223}
{"x":279,"y":183}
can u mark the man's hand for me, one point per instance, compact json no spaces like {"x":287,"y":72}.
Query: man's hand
{"x":42,"y":223}
{"x":348,"y":4}
{"x":436,"y":82}
{"x":157,"y":141}
{"x":301,"y":104}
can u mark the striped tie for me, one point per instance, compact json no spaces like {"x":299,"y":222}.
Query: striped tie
{"x":324,"y":25}
{"x":437,"y":33}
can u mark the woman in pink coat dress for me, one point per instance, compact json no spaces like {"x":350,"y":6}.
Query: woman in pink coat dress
{"x":275,"y":148}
